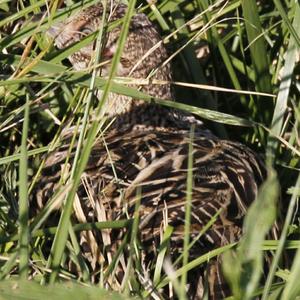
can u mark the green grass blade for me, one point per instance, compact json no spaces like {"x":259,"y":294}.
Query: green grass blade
{"x":282,"y":240}
{"x":84,"y":79}
{"x":222,"y":49}
{"x":161,"y":254}
{"x":9,"y":265}
{"x":197,"y":262}
{"x":23,"y":199}
{"x":17,"y":156}
{"x":259,"y":55}
{"x":292,"y":288}
{"x":292,"y":27}
{"x":284,"y":88}
{"x":32,"y":28}
{"x":88,"y":102}
{"x":49,"y":231}
{"x":195,"y":68}
{"x":29,"y":290}
{"x":22,"y":13}
{"x":132,"y":244}
{"x":188,"y":212}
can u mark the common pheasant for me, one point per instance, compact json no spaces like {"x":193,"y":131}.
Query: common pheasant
{"x":144,"y":155}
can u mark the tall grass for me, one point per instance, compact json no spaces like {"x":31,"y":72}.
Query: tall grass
{"x":236,"y":66}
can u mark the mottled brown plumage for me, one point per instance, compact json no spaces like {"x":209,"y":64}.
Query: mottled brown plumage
{"x":148,"y":152}
{"x":142,"y":37}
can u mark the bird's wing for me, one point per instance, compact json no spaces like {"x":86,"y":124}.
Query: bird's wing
{"x":151,"y":165}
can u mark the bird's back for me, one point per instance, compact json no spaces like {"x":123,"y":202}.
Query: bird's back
{"x":150,"y":165}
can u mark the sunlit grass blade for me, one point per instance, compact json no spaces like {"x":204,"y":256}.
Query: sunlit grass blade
{"x":285,"y":86}
{"x":22,"y":13}
{"x":82,"y":132}
{"x":162,"y":254}
{"x":197,"y":262}
{"x":84,"y":80}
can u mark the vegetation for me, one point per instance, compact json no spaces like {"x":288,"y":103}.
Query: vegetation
{"x":236,"y":65}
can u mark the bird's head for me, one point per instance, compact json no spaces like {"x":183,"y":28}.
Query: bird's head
{"x":136,"y":60}
{"x":143,"y":50}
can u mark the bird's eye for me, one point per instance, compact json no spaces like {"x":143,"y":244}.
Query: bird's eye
{"x":86,"y":31}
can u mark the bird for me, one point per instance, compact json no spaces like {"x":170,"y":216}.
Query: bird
{"x":143,"y":157}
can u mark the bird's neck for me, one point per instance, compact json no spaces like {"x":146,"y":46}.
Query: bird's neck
{"x":152,"y":115}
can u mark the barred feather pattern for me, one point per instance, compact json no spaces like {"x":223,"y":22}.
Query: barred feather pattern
{"x":225,"y":175}
{"x":144,"y":156}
